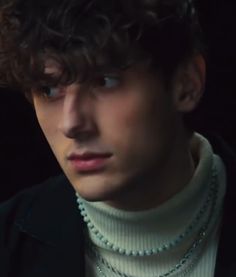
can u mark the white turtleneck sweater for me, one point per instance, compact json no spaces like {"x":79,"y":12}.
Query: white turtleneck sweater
{"x":160,"y":226}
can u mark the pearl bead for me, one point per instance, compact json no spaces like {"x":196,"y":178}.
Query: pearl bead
{"x":121,"y":251}
{"x":90,"y":225}
{"x":115,"y":248}
{"x":86,"y":219}
{"x":109,"y":244}
{"x":148,"y":252}
{"x":134,"y":253}
{"x":104,"y":240}
{"x":141,"y":253}
{"x":128,"y":252}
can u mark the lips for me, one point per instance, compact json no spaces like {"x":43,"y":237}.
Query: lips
{"x":88,"y":155}
{"x":88,"y":162}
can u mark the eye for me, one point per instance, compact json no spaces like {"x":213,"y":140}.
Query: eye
{"x":109,"y":82}
{"x":52,"y":92}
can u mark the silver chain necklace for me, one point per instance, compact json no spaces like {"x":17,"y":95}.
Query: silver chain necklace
{"x":174,"y":270}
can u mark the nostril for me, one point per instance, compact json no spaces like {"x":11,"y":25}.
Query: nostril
{"x":83,"y":136}
{"x":78,"y":134}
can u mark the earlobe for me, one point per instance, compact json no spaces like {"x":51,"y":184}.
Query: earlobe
{"x":189,"y":84}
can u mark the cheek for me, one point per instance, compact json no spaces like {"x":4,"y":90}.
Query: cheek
{"x":47,"y":124}
{"x":125,"y":124}
{"x":131,"y":123}
{"x":119,"y":116}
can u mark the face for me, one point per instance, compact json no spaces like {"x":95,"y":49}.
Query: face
{"x":110,"y":134}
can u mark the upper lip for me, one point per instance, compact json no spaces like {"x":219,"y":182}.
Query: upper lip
{"x":88,"y":155}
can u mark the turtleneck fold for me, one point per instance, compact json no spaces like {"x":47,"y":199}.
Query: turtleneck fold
{"x":165,"y":225}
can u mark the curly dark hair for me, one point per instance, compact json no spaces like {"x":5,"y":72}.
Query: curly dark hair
{"x":89,"y":36}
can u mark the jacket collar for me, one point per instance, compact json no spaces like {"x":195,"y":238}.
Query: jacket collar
{"x":54,"y":222}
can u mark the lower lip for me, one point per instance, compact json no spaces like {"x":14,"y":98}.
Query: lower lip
{"x":88,"y":165}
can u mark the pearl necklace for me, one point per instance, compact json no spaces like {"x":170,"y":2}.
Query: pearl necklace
{"x":190,"y":258}
{"x":149,"y":252}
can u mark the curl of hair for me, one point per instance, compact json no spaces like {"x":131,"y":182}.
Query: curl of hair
{"x":89,"y":36}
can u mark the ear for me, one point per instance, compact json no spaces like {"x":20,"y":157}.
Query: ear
{"x":189,"y":83}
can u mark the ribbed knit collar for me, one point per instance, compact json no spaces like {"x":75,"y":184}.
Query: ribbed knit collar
{"x":151,"y":229}
{"x":126,"y":229}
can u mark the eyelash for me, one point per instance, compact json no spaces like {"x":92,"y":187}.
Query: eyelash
{"x":46,"y":90}
{"x":112,"y":81}
{"x":104,"y":83}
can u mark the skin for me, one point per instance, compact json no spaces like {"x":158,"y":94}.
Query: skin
{"x":138,"y":121}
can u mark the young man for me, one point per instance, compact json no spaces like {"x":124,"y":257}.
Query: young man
{"x":142,"y":195}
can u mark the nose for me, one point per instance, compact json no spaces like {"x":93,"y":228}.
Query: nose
{"x":77,"y":114}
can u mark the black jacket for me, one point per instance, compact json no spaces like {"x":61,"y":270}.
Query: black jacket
{"x":41,"y":230}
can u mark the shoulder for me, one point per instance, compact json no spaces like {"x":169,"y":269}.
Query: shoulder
{"x":21,"y":201}
{"x":41,"y":226}
{"x":222,"y":148}
{"x":19,"y":207}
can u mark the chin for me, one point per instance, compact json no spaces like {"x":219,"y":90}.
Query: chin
{"x":105,"y":186}
{"x":96,"y":195}
{"x":94,"y":191}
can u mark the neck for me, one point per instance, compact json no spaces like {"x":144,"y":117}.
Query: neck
{"x":155,"y":189}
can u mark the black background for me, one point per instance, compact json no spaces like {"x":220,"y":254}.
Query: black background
{"x":25,"y":158}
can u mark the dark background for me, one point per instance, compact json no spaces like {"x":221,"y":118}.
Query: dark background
{"x":25,"y":158}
